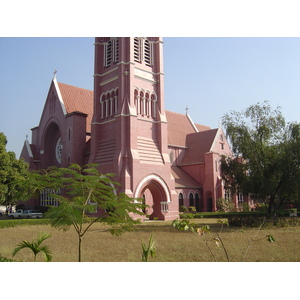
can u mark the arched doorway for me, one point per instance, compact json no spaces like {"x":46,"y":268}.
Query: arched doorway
{"x":156,"y":195}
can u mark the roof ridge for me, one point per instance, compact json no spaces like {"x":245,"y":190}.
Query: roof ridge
{"x":77,"y":87}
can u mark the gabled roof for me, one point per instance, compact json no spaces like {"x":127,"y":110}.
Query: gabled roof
{"x":76,"y":99}
{"x":183,"y":180}
{"x":198,"y":144}
{"x":178,"y":127}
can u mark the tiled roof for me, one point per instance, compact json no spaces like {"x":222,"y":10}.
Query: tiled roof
{"x":198,"y":144}
{"x":183,"y":180}
{"x":78,"y":100}
{"x":178,"y":127}
{"x":81,"y":100}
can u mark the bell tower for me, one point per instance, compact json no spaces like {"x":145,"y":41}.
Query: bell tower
{"x":129,"y":126}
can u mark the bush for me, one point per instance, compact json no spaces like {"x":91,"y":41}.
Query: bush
{"x":22,"y":222}
{"x":222,"y":204}
{"x":200,"y":215}
{"x":192,"y":209}
{"x":256,"y":221}
{"x":186,"y":216}
{"x":183,"y":209}
{"x":261,"y":207}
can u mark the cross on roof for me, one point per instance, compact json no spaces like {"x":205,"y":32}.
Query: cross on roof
{"x":187,"y":110}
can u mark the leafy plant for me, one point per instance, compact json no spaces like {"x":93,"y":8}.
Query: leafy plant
{"x":148,"y":250}
{"x":36,"y":246}
{"x":183,"y":209}
{"x":85,"y":191}
{"x":192,"y":209}
{"x":222,"y":205}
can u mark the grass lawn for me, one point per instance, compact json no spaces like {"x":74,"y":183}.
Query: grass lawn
{"x":172,"y":245}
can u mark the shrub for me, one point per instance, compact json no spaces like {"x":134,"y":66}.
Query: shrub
{"x":261,"y":207}
{"x":183,"y":209}
{"x":222,"y":204}
{"x":192,"y":209}
{"x":200,"y":215}
{"x":186,"y":216}
{"x":22,"y":222}
{"x":256,"y":221}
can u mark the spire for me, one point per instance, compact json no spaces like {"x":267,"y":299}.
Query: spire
{"x":54,"y":77}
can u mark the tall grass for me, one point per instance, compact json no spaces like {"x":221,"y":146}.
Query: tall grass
{"x":172,"y":245}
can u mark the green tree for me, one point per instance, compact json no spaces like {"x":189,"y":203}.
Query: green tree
{"x":85,"y":191}
{"x":36,"y":246}
{"x":266,"y":155}
{"x":12,"y":173}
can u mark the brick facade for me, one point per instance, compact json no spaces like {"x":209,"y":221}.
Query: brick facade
{"x":122,"y":126}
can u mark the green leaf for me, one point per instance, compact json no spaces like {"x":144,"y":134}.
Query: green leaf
{"x":270,"y":238}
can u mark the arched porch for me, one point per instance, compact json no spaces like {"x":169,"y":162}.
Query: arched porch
{"x":156,"y":195}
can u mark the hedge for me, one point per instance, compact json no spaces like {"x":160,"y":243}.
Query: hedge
{"x":254,"y":221}
{"x":22,"y":222}
{"x":200,"y":215}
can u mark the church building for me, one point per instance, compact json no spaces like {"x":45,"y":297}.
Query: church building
{"x":158,"y":155}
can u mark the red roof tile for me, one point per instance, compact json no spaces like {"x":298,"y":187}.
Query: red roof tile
{"x":198,"y":144}
{"x":81,"y":100}
{"x":78,"y":100}
{"x":178,"y":127}
{"x":183,"y":180}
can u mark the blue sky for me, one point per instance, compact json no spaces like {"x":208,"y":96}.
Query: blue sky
{"x":212,"y":76}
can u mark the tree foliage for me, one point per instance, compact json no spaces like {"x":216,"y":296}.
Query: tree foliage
{"x":267,"y":157}
{"x":83,"y":192}
{"x":12,"y":173}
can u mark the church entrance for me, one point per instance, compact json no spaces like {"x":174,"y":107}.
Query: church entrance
{"x":154,"y":193}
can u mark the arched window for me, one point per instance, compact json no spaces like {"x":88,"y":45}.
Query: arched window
{"x":111,"y":52}
{"x":192,"y":201}
{"x":142,"y":103}
{"x":180,"y":198}
{"x":108,"y":52}
{"x":143,"y":51}
{"x":147,"y":104}
{"x":137,"y":49}
{"x":109,"y":103}
{"x":148,"y":53}
{"x":115,"y":49}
